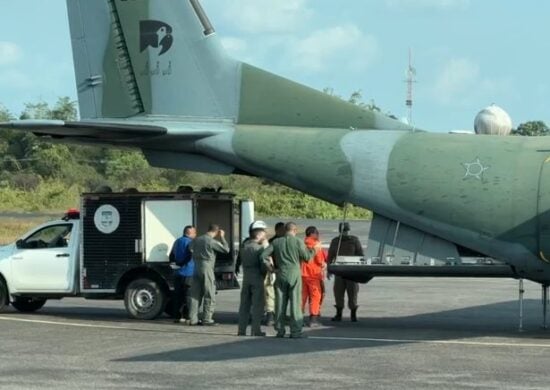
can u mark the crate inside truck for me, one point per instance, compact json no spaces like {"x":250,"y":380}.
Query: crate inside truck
{"x":127,"y":238}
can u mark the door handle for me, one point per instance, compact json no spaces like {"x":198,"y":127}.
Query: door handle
{"x":62,"y":255}
{"x":17,"y":257}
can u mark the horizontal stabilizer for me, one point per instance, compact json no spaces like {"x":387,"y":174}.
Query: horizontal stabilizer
{"x":86,"y":130}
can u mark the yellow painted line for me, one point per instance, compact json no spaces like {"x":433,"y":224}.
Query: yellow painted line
{"x":329,"y":338}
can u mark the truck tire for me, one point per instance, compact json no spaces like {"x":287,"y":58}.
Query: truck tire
{"x":28,"y":305}
{"x":4,"y":298}
{"x":144,"y":299}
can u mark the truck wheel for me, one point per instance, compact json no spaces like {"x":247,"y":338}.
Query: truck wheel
{"x":144,"y":299}
{"x":4,"y":299}
{"x":28,"y":305}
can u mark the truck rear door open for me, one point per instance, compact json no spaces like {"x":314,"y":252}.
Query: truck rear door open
{"x":219,"y":212}
{"x":164,"y":221}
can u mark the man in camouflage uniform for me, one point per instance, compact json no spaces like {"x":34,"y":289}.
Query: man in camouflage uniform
{"x":203,"y":288}
{"x":288,"y":252}
{"x":254,"y":270}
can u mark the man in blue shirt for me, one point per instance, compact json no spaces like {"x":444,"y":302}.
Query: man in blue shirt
{"x":182,"y":256}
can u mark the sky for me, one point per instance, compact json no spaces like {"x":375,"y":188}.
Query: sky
{"x":468,"y":54}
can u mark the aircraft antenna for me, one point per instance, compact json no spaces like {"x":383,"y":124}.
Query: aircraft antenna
{"x":411,"y":80}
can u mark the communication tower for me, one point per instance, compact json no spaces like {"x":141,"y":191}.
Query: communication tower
{"x":411,"y":80}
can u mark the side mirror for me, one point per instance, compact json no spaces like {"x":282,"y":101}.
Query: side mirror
{"x":20,"y":244}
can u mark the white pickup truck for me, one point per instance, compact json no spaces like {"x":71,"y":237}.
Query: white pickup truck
{"x":117,"y":247}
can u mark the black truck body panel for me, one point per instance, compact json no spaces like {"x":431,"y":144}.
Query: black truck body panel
{"x":107,"y":258}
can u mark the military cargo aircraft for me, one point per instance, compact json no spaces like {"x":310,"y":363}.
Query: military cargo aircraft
{"x":153,"y":75}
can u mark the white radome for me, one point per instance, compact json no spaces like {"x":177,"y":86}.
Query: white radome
{"x":493,"y":120}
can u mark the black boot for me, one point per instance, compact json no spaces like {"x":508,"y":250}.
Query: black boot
{"x":354,"y":315}
{"x":338,"y":316}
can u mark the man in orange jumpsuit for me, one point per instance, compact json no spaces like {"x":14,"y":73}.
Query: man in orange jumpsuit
{"x":313,"y":273}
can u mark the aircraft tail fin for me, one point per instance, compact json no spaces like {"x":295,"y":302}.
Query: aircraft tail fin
{"x":150,"y":57}
{"x":162,"y":57}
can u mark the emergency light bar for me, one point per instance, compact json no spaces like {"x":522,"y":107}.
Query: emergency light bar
{"x":72,"y":214}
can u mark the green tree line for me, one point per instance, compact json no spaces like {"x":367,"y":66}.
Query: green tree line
{"x":45,"y":176}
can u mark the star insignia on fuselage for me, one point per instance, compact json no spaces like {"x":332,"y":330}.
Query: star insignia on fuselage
{"x":475,"y":169}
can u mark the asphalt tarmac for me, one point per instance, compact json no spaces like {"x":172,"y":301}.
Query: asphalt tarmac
{"x":412,"y":334}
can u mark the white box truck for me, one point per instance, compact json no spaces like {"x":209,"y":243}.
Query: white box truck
{"x":116,"y":247}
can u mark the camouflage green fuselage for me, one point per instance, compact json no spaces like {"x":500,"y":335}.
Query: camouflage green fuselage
{"x":485,"y":193}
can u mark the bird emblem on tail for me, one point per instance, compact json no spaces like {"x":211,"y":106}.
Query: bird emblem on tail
{"x":154,"y":33}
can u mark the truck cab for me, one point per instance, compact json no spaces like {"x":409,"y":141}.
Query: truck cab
{"x":43,"y":261}
{"x":117,"y":247}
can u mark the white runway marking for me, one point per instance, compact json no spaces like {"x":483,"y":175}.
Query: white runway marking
{"x":73,"y":324}
{"x":437,"y":342}
{"x":331,"y":338}
{"x":194,"y":330}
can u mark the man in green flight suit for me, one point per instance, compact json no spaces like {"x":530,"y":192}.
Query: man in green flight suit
{"x":203,"y":288}
{"x":288,"y":252}
{"x":254,"y":270}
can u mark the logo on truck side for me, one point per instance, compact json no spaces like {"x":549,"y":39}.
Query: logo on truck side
{"x":107,"y":219}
